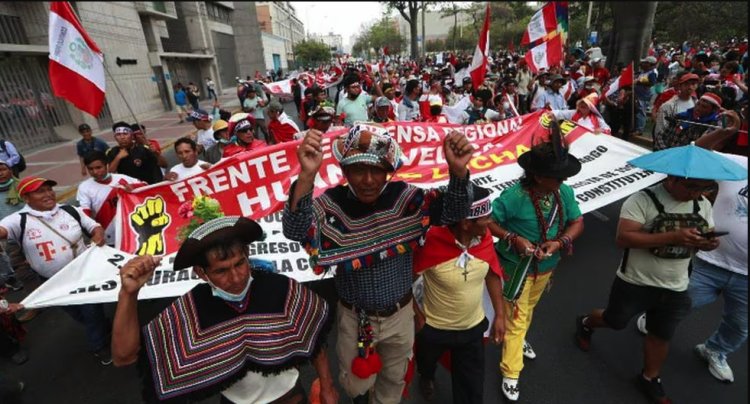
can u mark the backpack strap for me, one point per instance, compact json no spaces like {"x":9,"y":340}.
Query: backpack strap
{"x":652,"y":195}
{"x":23,"y":230}
{"x":73,"y":212}
{"x":3,"y":146}
{"x":696,"y":206}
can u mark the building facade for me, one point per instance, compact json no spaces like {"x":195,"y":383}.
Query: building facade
{"x":279,"y":18}
{"x":148,"y":48}
{"x":334,"y":41}
{"x":436,"y":26}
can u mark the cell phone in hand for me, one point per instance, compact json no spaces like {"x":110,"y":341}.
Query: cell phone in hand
{"x":714,"y":234}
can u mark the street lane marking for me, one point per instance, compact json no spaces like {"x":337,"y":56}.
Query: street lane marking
{"x":599,"y":216}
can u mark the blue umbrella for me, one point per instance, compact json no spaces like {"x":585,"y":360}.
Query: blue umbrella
{"x":691,"y":162}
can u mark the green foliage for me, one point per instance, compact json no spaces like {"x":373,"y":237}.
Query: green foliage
{"x":674,"y":22}
{"x":311,"y":52}
{"x":383,"y":33}
{"x":507,"y":23}
{"x":200,"y":210}
{"x":408,"y":11}
{"x":435,"y":45}
{"x":702,"y":20}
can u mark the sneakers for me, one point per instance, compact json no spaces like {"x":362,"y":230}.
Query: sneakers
{"x":510,"y":389}
{"x":427,"y":388}
{"x":528,"y":351}
{"x":583,"y":334}
{"x":14,"y":284}
{"x":20,"y":357}
{"x":653,"y":389}
{"x":717,"y":364}
{"x":104,"y":355}
{"x":640,"y":324}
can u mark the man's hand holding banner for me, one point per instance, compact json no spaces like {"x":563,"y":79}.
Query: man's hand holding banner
{"x":255,"y":185}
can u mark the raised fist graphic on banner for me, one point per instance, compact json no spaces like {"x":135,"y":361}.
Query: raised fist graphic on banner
{"x":149,"y":220}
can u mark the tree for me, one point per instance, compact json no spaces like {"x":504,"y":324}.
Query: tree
{"x":311,"y":52}
{"x":681,"y":21}
{"x":409,"y":11}
{"x":435,"y":45}
{"x":385,"y":34}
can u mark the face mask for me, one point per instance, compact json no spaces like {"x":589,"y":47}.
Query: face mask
{"x":230,"y":297}
{"x":106,"y":178}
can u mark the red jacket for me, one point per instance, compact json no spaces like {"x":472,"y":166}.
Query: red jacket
{"x":234,"y":148}
{"x":282,"y":129}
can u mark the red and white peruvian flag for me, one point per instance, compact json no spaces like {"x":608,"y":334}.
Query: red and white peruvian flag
{"x":567,"y":90}
{"x":546,"y":55}
{"x":625,"y":79}
{"x":543,"y":23}
{"x":76,"y":65}
{"x":478,"y":67}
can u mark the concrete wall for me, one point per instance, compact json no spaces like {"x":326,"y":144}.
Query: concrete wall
{"x":273,"y":44}
{"x":246,"y":34}
{"x":116,"y":29}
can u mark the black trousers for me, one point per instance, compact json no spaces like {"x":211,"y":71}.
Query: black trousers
{"x":466,"y":348}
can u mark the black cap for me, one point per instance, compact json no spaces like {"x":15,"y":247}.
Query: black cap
{"x":83,"y":126}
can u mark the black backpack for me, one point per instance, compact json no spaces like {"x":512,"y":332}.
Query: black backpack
{"x":21,"y":161}
{"x":68,"y":209}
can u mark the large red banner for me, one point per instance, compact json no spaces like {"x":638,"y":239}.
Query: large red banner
{"x":255,"y":184}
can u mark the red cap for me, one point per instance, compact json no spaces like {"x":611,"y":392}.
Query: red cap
{"x":688,"y":77}
{"x":31,"y":184}
{"x":712,"y":98}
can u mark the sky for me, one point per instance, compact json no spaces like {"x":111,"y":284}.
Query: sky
{"x":343,"y":18}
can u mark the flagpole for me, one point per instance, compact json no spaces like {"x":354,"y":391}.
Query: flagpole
{"x":632,"y":97}
{"x":106,"y":69}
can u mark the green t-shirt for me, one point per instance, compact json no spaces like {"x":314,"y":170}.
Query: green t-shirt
{"x":514,"y":211}
{"x":355,"y":110}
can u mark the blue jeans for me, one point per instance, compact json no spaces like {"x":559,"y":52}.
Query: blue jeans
{"x":640,"y":115}
{"x":706,"y":283}
{"x":6,"y":269}
{"x":97,"y":325}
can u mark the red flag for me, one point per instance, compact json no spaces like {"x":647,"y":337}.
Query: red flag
{"x":545,"y":55}
{"x":478,"y":67}
{"x":76,"y":65}
{"x":385,"y":50}
{"x":542,"y":24}
{"x":511,"y":48}
{"x":625,"y":79}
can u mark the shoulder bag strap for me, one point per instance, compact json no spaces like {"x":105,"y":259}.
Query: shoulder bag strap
{"x":651,"y":195}
{"x":73,"y":245}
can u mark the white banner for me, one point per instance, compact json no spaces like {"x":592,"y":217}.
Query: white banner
{"x":93,"y":277}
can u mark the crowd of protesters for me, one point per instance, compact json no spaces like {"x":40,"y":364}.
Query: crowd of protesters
{"x":690,"y":92}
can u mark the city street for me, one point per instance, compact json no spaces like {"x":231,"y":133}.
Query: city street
{"x":60,"y":371}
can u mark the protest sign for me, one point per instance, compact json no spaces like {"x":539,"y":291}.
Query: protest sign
{"x":255,"y":185}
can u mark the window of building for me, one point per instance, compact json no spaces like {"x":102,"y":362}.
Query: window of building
{"x":218,"y":13}
{"x":11,"y":30}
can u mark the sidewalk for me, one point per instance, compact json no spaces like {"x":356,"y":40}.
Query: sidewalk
{"x":59,"y":162}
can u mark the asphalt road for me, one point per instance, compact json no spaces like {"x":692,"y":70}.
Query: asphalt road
{"x":60,"y":371}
